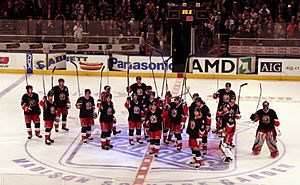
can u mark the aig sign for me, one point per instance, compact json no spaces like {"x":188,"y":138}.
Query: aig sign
{"x":273,"y":67}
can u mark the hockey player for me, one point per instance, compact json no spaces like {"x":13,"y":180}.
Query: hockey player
{"x":104,"y":94}
{"x":49,"y":114}
{"x":87,"y":114}
{"x":61,"y":99}
{"x":135,"y":109}
{"x":228,"y":126}
{"x":235,"y":111}
{"x":267,"y":130}
{"x":224,"y":96}
{"x":193,"y":105}
{"x":166,"y":118}
{"x":32,"y":111}
{"x":178,"y":118}
{"x":106,"y":121}
{"x":205,"y":115}
{"x":196,"y":130}
{"x":148,"y":92}
{"x":139,"y":88}
{"x":154,"y":121}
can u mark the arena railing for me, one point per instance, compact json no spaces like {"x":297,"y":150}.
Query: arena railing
{"x":106,"y":32}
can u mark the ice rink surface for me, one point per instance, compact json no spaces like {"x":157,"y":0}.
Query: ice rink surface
{"x":68,"y":160}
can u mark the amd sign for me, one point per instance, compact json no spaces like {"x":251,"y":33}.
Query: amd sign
{"x":214,"y":65}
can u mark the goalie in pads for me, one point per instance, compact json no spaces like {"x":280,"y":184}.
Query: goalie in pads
{"x":268,"y":121}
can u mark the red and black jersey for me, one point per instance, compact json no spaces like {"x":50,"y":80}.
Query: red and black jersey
{"x":224,"y":96}
{"x":235,"y":110}
{"x":140,"y":90}
{"x":176,"y":112}
{"x":61,"y":96}
{"x":49,"y":110}
{"x":30,"y":104}
{"x":135,"y":109}
{"x":228,"y":118}
{"x":196,"y":127}
{"x":107,"y":112}
{"x":103,"y":95}
{"x":86,"y":107}
{"x":154,"y":119}
{"x":267,"y":119}
{"x":148,"y":102}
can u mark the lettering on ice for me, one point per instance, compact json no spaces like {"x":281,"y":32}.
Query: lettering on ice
{"x":36,"y":168}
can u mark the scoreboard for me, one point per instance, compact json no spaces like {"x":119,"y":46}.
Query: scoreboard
{"x":185,"y":14}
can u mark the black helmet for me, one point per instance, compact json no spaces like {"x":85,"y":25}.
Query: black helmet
{"x":87,"y":91}
{"x":61,"y":80}
{"x":50,"y":93}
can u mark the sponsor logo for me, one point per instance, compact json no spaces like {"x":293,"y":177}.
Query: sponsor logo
{"x":29,"y":62}
{"x":273,"y":67}
{"x":214,"y":65}
{"x":120,"y":65}
{"x":4,"y":62}
{"x":246,"y":65}
{"x":53,"y":60}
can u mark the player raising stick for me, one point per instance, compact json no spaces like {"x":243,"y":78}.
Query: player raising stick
{"x":49,"y":114}
{"x":166,"y":118}
{"x":135,"y":109}
{"x":268,"y":121}
{"x":30,"y":105}
{"x":224,"y":96}
{"x":234,"y":110}
{"x":106,"y":91}
{"x":61,"y":99}
{"x":205,"y":115}
{"x":154,"y":121}
{"x":87,"y":114}
{"x":196,"y":130}
{"x":178,"y":117}
{"x":107,"y":110}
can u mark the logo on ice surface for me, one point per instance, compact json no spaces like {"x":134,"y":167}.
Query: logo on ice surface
{"x":78,"y":156}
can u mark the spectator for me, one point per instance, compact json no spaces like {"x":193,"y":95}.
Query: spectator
{"x":253,"y":14}
{"x":78,"y":30}
{"x":264,"y":11}
{"x":297,"y":31}
{"x":142,"y":44}
{"x":291,"y":28}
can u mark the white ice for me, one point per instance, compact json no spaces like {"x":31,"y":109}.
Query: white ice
{"x":67,"y":159}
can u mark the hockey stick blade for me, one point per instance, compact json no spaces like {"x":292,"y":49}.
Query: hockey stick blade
{"x":244,"y":84}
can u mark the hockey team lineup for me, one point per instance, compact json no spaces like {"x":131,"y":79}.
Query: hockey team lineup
{"x":158,"y":151}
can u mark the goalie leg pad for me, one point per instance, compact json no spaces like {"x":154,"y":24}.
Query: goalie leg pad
{"x":258,"y":143}
{"x":272,"y":143}
{"x":226,"y":150}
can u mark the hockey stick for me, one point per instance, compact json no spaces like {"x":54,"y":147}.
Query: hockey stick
{"x":260,"y":89}
{"x":165,"y":82}
{"x":187,"y":91}
{"x":184,"y":77}
{"x":53,"y":70}
{"x":128,"y":75}
{"x":101,"y":73}
{"x":43,"y":78}
{"x":153,"y":76}
{"x":26,"y":78}
{"x":240,"y":92}
{"x":76,"y":67}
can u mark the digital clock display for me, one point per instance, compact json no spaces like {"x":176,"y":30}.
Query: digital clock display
{"x":187,"y":12}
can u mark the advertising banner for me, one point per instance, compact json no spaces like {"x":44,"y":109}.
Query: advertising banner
{"x":140,"y":64}
{"x":86,"y":62}
{"x":279,"y":67}
{"x":12,"y":60}
{"x":54,"y":59}
{"x":226,"y":66}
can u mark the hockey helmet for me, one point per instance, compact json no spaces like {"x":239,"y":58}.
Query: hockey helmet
{"x":29,"y":87}
{"x":168,"y":94}
{"x":228,"y":84}
{"x":196,"y":95}
{"x":152,"y":94}
{"x":50,"y":93}
{"x":87,"y":91}
{"x":61,"y":80}
{"x":138,"y":78}
{"x":107,"y":87}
